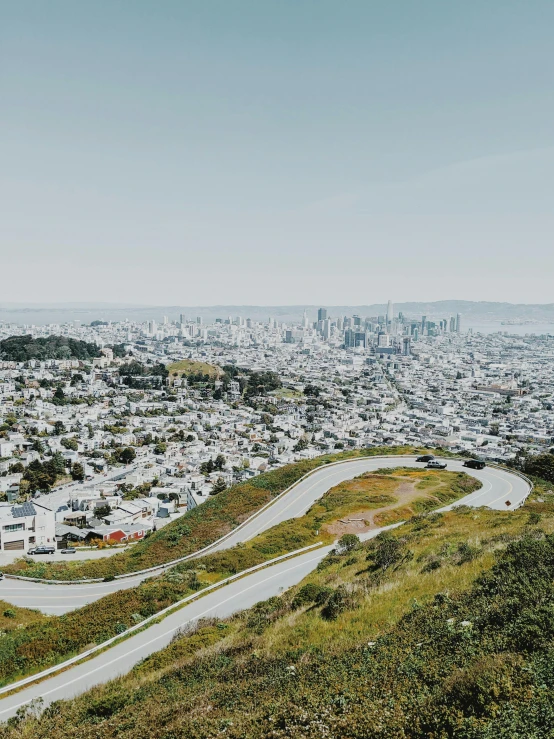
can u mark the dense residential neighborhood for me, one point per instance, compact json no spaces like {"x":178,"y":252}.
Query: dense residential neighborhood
{"x":113,"y":429}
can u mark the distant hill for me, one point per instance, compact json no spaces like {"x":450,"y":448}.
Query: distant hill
{"x":24,"y":348}
{"x":41,"y":314}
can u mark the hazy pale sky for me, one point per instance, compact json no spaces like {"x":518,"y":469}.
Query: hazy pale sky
{"x":276,"y":151}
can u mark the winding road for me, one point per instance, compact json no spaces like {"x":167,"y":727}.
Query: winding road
{"x":501,"y":490}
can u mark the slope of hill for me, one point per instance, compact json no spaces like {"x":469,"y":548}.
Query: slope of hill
{"x":443,"y":628}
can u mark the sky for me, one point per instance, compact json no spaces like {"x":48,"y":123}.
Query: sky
{"x":276,"y":152}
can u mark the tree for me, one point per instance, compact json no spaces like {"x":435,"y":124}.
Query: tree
{"x":102,"y":511}
{"x":57,"y":463}
{"x":312,"y":390}
{"x":219,"y":462}
{"x":70,"y":443}
{"x":160,"y":448}
{"x":347,"y":543}
{"x":37,"y":446}
{"x":127,"y":455}
{"x":219,"y":486}
{"x":207,"y":468}
{"x":77,"y":471}
{"x":59,"y":428}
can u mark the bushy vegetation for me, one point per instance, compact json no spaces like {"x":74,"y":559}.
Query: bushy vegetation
{"x":471,"y":663}
{"x":24,"y":348}
{"x":539,"y":465}
{"x":197,"y":528}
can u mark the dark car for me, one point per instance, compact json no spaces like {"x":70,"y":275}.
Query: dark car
{"x":434,"y":464}
{"x":42,"y":550}
{"x":1,"y":575}
{"x":425,"y":458}
{"x":68,"y":550}
{"x":474,"y":464}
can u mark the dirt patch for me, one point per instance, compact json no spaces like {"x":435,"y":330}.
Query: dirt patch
{"x":365,"y":520}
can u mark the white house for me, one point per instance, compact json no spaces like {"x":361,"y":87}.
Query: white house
{"x":26,"y":525}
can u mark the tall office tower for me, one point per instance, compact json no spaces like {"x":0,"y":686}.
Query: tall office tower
{"x":152,"y":327}
{"x":452,"y":324}
{"x":423,"y":324}
{"x":199,"y":320}
{"x":349,"y":338}
{"x":360,"y":339}
{"x":458,"y":323}
{"x":406,"y":346}
{"x":346,"y":322}
{"x":416,"y":334}
{"x":322,"y":314}
{"x":339,"y":324}
{"x":383,"y":339}
{"x":166,"y":320}
{"x":390,"y":312}
{"x":305,"y":322}
{"x":326,"y":328}
{"x":182,"y":318}
{"x":357,"y":321}
{"x":248,"y":323}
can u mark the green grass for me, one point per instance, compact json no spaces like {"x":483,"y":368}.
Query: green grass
{"x":377,"y":647}
{"x":198,"y":527}
{"x":191,"y":367}
{"x":14,"y":617}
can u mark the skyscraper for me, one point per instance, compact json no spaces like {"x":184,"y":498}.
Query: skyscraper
{"x":322,"y":314}
{"x":458,"y":323}
{"x":390,"y":312}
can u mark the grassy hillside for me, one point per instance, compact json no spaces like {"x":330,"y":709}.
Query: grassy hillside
{"x":197,"y":528}
{"x":49,"y":640}
{"x":190,"y":367}
{"x":442,"y":628}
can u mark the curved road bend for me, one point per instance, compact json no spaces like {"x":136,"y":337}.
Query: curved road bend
{"x":498,"y":487}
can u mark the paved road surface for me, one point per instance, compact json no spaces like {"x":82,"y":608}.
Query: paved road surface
{"x":498,"y":487}
{"x":119,"y":659}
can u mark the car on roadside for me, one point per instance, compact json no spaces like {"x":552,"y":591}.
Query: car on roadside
{"x":42,"y":550}
{"x":68,"y":550}
{"x":1,"y":575}
{"x":434,"y":464}
{"x":474,"y":464}
{"x":425,"y":458}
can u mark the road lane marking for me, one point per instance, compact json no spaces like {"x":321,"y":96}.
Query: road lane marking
{"x":157,"y":638}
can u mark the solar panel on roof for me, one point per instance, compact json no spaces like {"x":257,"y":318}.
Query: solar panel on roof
{"x":26,"y":509}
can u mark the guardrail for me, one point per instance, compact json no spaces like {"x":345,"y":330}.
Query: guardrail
{"x":518,"y":474}
{"x":142,"y":624}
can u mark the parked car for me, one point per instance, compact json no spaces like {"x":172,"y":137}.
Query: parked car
{"x":68,"y":550}
{"x":425,"y":458}
{"x":474,"y":464}
{"x":42,"y":550}
{"x":434,"y":464}
{"x":1,"y":575}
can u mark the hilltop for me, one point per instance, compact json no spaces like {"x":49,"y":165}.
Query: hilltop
{"x":24,"y":348}
{"x":189,"y":367}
